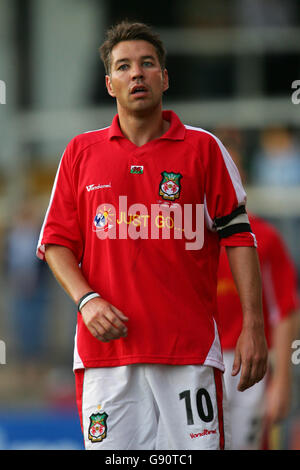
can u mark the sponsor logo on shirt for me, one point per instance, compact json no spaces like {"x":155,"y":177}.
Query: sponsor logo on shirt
{"x":169,"y":188}
{"x":102,"y":220}
{"x":94,"y":187}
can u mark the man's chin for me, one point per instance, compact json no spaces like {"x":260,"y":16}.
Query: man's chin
{"x":144,"y":107}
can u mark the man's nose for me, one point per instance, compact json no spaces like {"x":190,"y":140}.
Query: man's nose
{"x":137,"y":71}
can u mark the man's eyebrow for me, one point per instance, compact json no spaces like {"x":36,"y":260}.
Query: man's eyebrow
{"x":148,"y":57}
{"x":121,"y":60}
{"x":126,"y":59}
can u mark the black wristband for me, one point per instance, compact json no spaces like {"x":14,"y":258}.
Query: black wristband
{"x":81,"y":302}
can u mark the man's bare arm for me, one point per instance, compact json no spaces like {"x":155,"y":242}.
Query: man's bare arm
{"x":103,"y":320}
{"x":279,"y":387}
{"x":251,"y":350}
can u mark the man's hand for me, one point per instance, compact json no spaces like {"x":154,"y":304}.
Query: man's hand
{"x":251,"y":353}
{"x":251,"y":356}
{"x":103,"y":320}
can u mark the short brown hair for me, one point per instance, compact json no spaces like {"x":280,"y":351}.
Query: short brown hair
{"x":126,"y":31}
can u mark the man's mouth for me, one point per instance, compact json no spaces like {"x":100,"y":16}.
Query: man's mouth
{"x":138,"y":89}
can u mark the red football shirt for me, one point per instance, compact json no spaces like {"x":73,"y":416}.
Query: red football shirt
{"x":279,"y":284}
{"x":110,"y":204}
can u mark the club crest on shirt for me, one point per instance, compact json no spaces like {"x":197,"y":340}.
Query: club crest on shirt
{"x":169,"y":187}
{"x":98,"y":427}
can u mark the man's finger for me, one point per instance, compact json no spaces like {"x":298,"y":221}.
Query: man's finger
{"x":258,"y":368}
{"x":261,"y":371}
{"x":108,"y":330}
{"x":245,"y":379}
{"x":119,"y":313}
{"x":236,"y":364}
{"x":116,"y":322}
{"x":97,"y":331}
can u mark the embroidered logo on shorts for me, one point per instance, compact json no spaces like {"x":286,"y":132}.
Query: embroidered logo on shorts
{"x":170,"y":187}
{"x":98,"y":427}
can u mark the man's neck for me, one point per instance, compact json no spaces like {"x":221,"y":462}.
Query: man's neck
{"x":141,"y":129}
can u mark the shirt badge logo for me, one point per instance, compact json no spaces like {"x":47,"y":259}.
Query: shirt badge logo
{"x":170,"y":187}
{"x":137,"y":169}
{"x":98,"y":427}
{"x":102,"y":220}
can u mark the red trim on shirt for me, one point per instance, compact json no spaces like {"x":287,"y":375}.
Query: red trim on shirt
{"x":219,"y":395}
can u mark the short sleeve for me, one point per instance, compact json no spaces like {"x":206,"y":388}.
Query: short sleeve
{"x":225,"y":199}
{"x":61,"y":225}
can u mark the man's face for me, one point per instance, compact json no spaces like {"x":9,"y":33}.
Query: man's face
{"x":136,"y":79}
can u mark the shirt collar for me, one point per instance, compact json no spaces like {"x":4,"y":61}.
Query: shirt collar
{"x":176,"y":130}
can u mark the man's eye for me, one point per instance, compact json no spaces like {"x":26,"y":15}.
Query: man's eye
{"x":123,"y":67}
{"x":147,"y":63}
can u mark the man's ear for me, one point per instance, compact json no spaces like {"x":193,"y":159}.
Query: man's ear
{"x":166,"y":80}
{"x":109,"y":86}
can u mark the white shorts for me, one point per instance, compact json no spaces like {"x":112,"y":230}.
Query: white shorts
{"x":245,"y":409}
{"x":151,"y":406}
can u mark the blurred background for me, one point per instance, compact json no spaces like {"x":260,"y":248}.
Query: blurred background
{"x":232,"y":64}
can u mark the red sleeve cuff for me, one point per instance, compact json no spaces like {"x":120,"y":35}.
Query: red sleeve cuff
{"x":239,"y":239}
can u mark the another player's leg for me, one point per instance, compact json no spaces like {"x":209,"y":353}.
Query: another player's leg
{"x":245,"y":409}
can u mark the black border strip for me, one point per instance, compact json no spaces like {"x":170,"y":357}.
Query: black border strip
{"x":233,"y":229}
{"x":221,"y":221}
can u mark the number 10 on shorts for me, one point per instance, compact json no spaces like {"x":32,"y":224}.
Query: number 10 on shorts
{"x":203,"y":404}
